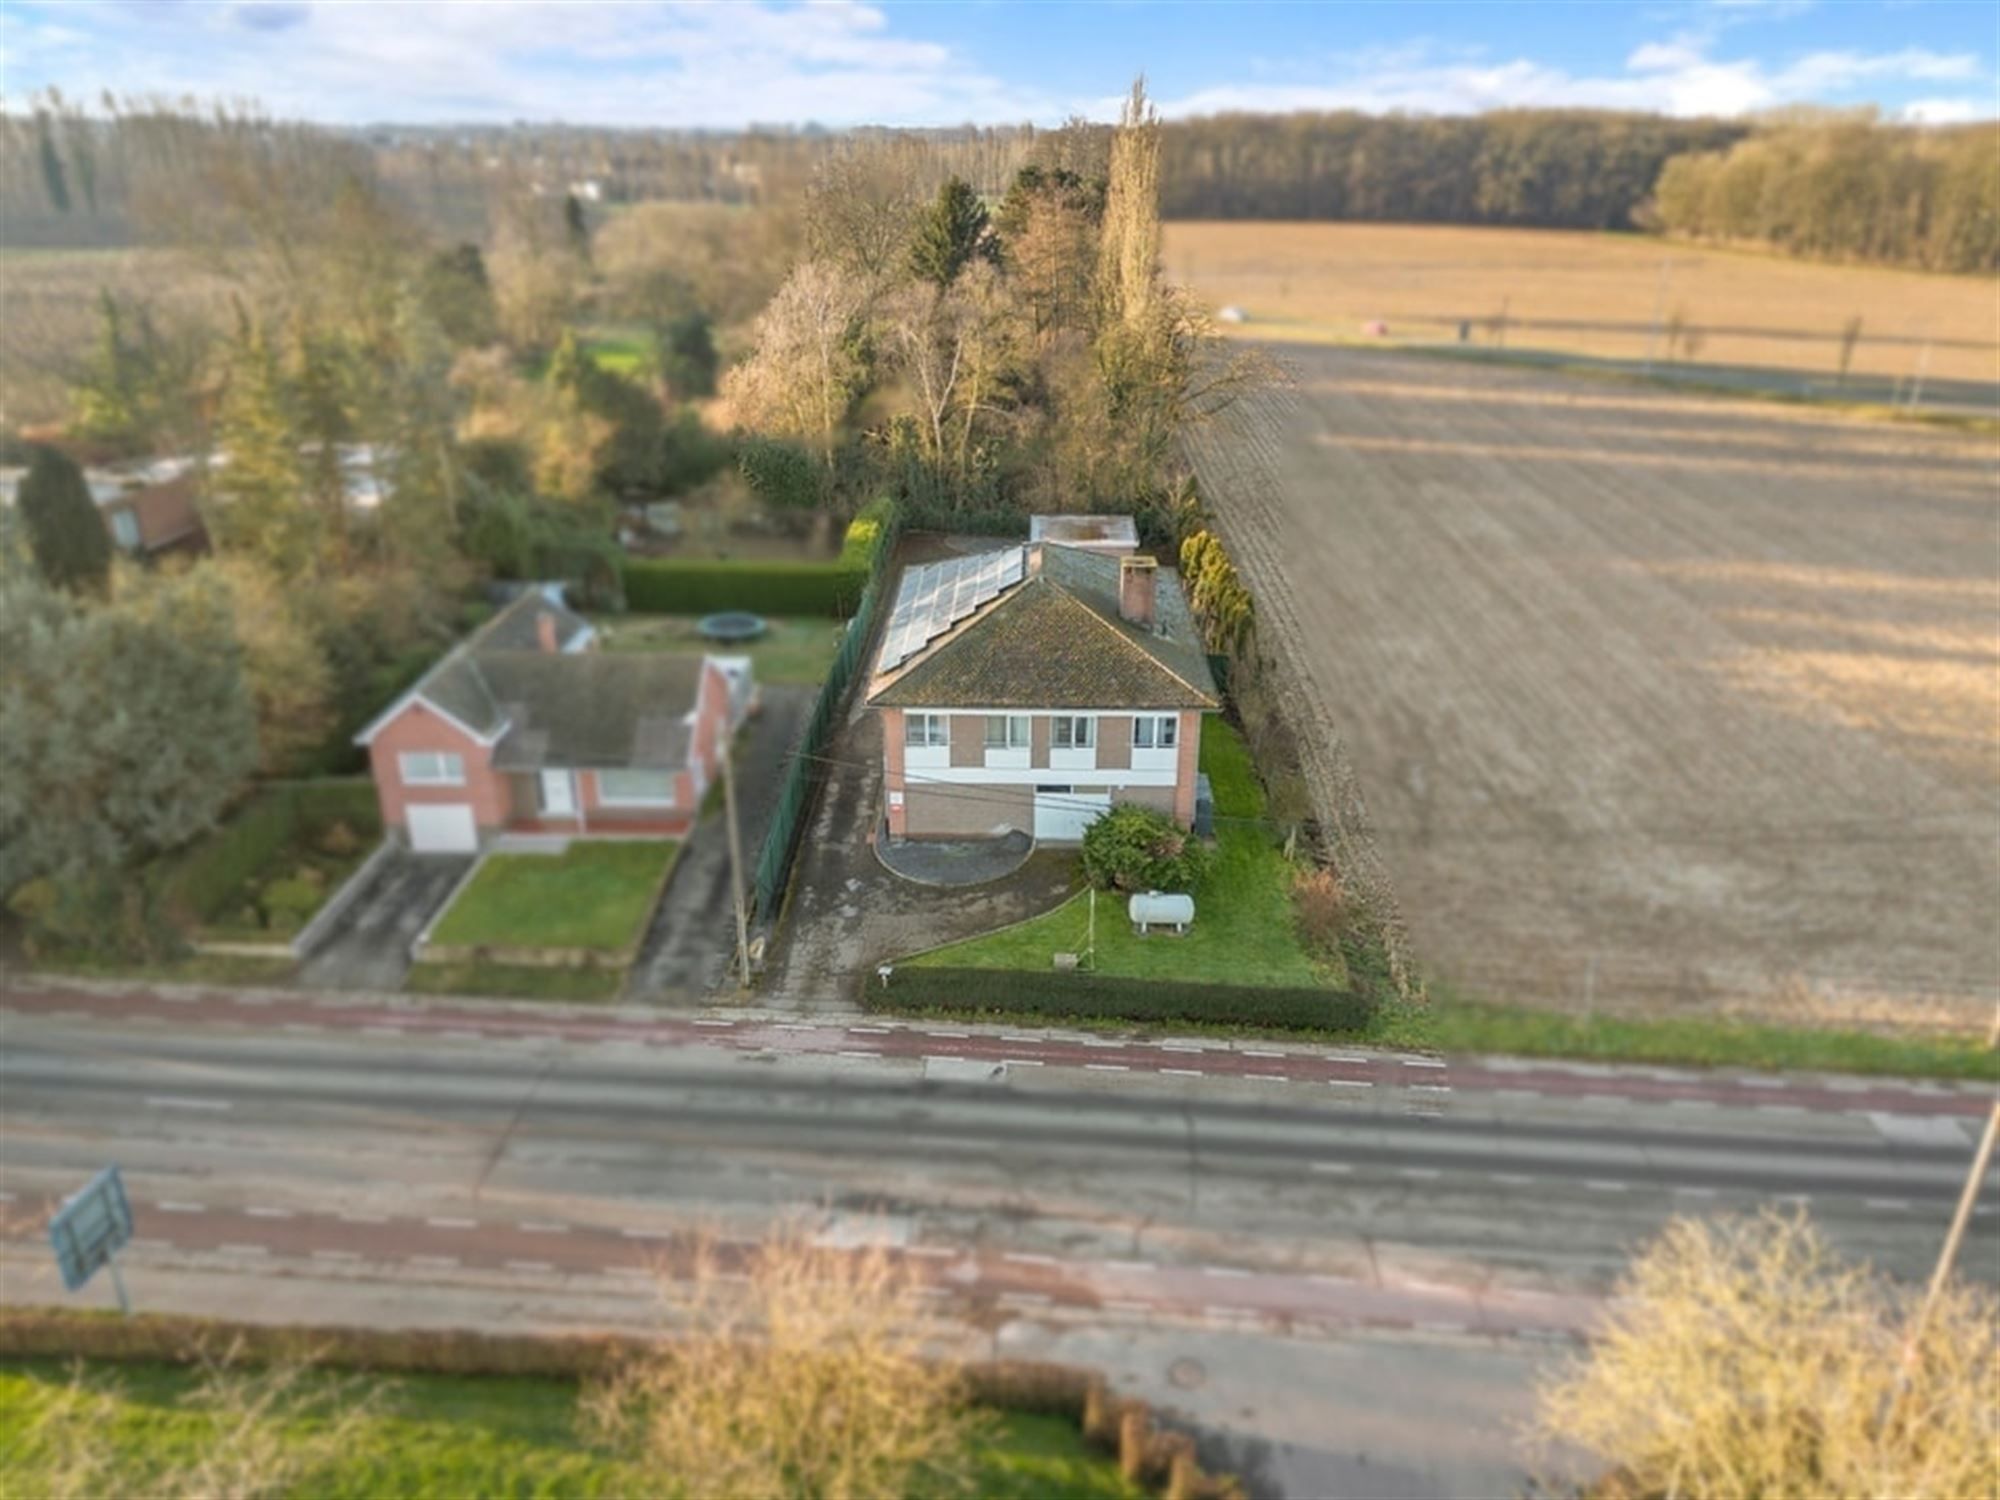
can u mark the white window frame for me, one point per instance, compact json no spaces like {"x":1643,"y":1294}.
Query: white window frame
{"x":431,"y":768}
{"x":1063,"y":732}
{"x":935,"y":735}
{"x":607,"y":798}
{"x":1009,"y":752}
{"x":1156,"y":732}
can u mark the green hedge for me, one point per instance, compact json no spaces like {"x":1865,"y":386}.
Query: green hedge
{"x":696,"y":586}
{"x":209,"y":879}
{"x":1110,"y":998}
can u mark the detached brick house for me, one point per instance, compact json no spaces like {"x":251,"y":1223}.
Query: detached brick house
{"x":525,"y":728}
{"x":1032,"y":687}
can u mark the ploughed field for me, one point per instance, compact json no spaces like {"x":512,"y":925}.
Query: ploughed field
{"x":1594,"y":294}
{"x":1657,"y":701}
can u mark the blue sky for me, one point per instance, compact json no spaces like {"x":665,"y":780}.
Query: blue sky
{"x":839,"y":63}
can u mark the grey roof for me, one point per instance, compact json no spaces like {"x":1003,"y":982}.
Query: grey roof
{"x":1056,"y":640}
{"x":593,"y":709}
{"x":1099,"y":533}
{"x":565,"y":708}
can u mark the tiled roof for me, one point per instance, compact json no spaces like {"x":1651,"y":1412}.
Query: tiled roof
{"x":1056,"y":640}
{"x":593,"y":709}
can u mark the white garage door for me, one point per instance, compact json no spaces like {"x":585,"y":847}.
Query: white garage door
{"x":1062,"y":815}
{"x":442,"y":828}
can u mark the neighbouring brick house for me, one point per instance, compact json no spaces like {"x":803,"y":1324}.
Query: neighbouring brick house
{"x":525,"y":727}
{"x":1031,"y":687}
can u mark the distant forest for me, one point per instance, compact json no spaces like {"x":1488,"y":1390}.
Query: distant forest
{"x":1835,"y":187}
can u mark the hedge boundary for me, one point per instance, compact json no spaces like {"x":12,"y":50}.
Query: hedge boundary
{"x":694,"y":586}
{"x":1164,"y":1461}
{"x":202,"y":881}
{"x":1082,"y":995}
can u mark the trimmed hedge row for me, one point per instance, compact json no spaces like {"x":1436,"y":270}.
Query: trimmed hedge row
{"x":1113,"y":998}
{"x":213,"y":873}
{"x":695,"y":586}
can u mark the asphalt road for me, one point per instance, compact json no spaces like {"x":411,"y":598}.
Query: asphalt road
{"x":340,"y":1168}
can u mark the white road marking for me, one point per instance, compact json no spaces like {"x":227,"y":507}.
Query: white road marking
{"x":1333,"y":1166}
{"x":867,"y":1031}
{"x":175,"y":1101}
{"x":171,"y":1207}
{"x":1352,"y":1059}
{"x":1130,"y":1265}
{"x":1182,"y":1073}
{"x":1266,"y":1078}
{"x":1225,"y":1271}
{"x":1428,"y":1088}
{"x":1351,"y":1083}
{"x":529,"y":1265}
{"x":1607,"y":1185}
{"x":270,"y":1213}
{"x":1423,"y":1062}
{"x":714,"y":1023}
{"x":537,"y":1226}
{"x":442,"y":1223}
{"x":1890,"y":1203}
{"x":1253,"y":1052}
{"x":858,"y":1052}
{"x":1106,"y":1068}
{"x":1098,"y":1041}
{"x":1180,"y":1047}
{"x":943,"y":1057}
{"x":950,"y":1036}
{"x":1022,"y":1062}
{"x":1022,"y":1258}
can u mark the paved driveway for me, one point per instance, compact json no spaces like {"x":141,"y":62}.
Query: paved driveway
{"x":369,"y":947}
{"x":693,"y":933}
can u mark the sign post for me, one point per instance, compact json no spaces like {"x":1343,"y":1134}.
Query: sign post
{"x":90,"y":1229}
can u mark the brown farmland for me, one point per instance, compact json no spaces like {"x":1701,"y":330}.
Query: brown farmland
{"x":1591,"y":294}
{"x":1656,"y":700}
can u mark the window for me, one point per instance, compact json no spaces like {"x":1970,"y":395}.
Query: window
{"x":635,"y":788}
{"x":921,"y":731}
{"x":431,"y":768}
{"x":1074,"y":732}
{"x":125,"y":530}
{"x":1156,"y":731}
{"x":1006,"y":731}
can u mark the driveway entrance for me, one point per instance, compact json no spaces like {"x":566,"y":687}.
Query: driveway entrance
{"x":369,"y":947}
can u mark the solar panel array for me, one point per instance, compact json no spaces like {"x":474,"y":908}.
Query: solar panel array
{"x":938,"y":595}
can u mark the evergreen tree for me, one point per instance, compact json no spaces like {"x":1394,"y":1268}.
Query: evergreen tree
{"x":65,"y":531}
{"x":576,"y":226}
{"x":951,"y":230}
{"x":259,"y":491}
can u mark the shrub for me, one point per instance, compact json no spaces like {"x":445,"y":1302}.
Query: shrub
{"x":210,"y":878}
{"x":1110,"y":998}
{"x":338,"y":839}
{"x":1134,"y":848}
{"x":1319,"y":909}
{"x":290,"y":903}
{"x":690,"y":454}
{"x":782,"y":474}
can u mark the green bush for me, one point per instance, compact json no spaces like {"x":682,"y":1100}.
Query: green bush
{"x":1104,"y":997}
{"x":209,"y":880}
{"x":1134,"y":848}
{"x":690,"y":454}
{"x":782,"y":474}
{"x":289,"y":903}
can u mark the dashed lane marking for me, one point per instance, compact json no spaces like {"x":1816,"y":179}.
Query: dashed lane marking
{"x":260,"y":1212}
{"x":529,"y":1265}
{"x":1253,"y":1052}
{"x":1106,"y":1068}
{"x":1182,"y":1073}
{"x":1180,"y":1047}
{"x":867,"y":1031}
{"x":445,"y":1223}
{"x":1266,"y":1078}
{"x":714,"y":1023}
{"x":858,"y":1052}
{"x":1897,"y":1204}
{"x":172,"y":1206}
{"x":1232,"y":1271}
{"x":1022,"y":1062}
{"x":1423,"y":1062}
{"x":1350,"y":1083}
{"x":538,"y":1226}
{"x":176,"y":1101}
{"x":1607,"y":1185}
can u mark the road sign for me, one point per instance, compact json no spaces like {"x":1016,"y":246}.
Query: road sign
{"x":90,"y":1229}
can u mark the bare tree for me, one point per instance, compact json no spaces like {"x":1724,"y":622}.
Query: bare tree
{"x":805,"y":371}
{"x":1745,"y":1358}
{"x":803,"y":1375}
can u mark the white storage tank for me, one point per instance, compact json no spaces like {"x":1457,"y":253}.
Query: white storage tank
{"x":1169,"y":909}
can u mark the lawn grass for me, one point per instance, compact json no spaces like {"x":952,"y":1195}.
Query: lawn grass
{"x":196,"y":968}
{"x":1452,"y":1024}
{"x":515,"y":981}
{"x":597,"y":894}
{"x":457,"y":1436}
{"x":1242,"y":932}
{"x":795,"y":649}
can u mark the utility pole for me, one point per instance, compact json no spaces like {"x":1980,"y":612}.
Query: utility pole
{"x":735,"y":859}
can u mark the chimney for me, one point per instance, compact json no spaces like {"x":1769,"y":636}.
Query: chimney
{"x":1137,"y":574}
{"x":545,"y":631}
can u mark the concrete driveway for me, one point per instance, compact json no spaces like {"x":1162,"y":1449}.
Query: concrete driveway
{"x":693,"y":933}
{"x":369,"y":947}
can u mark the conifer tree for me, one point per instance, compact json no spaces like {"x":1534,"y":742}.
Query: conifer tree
{"x":65,"y":532}
{"x":951,"y":231}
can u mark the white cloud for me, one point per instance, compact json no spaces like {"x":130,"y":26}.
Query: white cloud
{"x":655,"y":63}
{"x":1678,"y":76}
{"x":1946,"y":111}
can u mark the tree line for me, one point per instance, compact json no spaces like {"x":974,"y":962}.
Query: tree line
{"x":1836,"y":186}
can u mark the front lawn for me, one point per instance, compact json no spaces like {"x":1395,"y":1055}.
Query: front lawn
{"x":796,"y":649}
{"x":425,"y":1435}
{"x":1242,"y":933}
{"x":597,"y":894}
